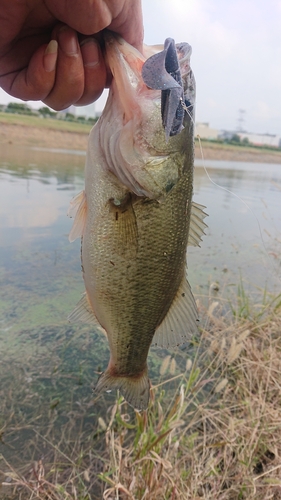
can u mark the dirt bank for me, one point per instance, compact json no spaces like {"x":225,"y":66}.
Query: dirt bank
{"x":22,"y":135}
{"x":237,"y":153}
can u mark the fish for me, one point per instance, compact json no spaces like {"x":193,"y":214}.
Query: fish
{"x":136,"y":216}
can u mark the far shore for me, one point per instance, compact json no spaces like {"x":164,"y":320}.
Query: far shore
{"x":48,"y":134}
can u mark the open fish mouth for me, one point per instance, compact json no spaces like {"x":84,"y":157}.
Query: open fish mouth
{"x":162,"y":71}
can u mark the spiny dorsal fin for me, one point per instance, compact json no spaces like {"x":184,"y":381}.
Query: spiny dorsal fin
{"x":197,"y":225}
{"x":180,"y":323}
{"x":83,"y":313}
{"x":77,"y":209}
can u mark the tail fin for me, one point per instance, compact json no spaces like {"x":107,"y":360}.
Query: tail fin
{"x":134,"y":389}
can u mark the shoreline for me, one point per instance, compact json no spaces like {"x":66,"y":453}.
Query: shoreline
{"x":27,"y":136}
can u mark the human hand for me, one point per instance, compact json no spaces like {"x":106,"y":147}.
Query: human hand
{"x":50,"y":51}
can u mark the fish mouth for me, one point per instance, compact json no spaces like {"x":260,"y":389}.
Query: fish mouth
{"x":167,"y":70}
{"x":135,"y":130}
{"x":162,"y":71}
{"x":110,"y":38}
{"x":125,"y":63}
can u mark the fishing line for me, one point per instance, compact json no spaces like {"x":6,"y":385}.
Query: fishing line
{"x":272,"y":263}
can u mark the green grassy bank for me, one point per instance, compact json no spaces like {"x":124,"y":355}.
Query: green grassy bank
{"x":44,"y":123}
{"x":211,"y":150}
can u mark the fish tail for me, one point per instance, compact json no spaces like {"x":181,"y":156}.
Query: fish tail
{"x":135,"y":389}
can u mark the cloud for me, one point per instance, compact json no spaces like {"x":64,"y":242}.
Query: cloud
{"x":193,"y":21}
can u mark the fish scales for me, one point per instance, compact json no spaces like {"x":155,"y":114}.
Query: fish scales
{"x":139,"y":289}
{"x":134,"y":222}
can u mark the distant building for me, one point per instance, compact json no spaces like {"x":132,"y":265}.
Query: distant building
{"x":62,"y":113}
{"x":205,"y":131}
{"x":89,"y":111}
{"x":255,"y":139}
{"x":226,"y":135}
{"x":261,"y":139}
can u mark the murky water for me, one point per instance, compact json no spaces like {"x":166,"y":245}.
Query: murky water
{"x":243,"y":239}
{"x":48,"y":366}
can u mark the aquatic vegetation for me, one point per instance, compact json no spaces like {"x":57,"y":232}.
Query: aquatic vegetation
{"x":212,"y":430}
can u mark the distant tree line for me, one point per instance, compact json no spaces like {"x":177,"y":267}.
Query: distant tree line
{"x":44,"y":112}
{"x":236,"y":139}
{"x":19,"y":108}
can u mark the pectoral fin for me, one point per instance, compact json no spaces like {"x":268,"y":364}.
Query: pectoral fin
{"x":77,"y":209}
{"x":181,"y":322}
{"x":124,"y":229}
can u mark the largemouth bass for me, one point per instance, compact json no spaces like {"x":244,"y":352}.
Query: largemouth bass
{"x":136,"y":214}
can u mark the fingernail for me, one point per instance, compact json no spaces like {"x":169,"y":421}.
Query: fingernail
{"x":90,"y":52}
{"x":50,"y":56}
{"x":68,"y":41}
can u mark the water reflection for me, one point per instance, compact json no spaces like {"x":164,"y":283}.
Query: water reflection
{"x":242,"y":200}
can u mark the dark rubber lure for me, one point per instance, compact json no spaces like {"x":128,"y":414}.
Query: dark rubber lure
{"x":162,"y":71}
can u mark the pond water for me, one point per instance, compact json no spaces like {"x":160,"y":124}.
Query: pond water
{"x":48,"y":366}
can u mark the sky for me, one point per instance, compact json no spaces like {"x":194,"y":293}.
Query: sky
{"x":236,"y":58}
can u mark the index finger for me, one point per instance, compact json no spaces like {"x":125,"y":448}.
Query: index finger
{"x":34,"y":81}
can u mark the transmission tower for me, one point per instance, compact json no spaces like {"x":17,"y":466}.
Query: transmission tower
{"x":241,"y":120}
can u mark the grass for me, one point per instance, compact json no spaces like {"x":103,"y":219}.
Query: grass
{"x":48,"y":123}
{"x":212,"y":430}
{"x":216,"y":150}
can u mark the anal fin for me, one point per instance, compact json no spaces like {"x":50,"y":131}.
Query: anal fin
{"x":181,"y":322}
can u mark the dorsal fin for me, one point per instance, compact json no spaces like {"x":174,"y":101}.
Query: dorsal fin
{"x":197,"y":225}
{"x":180,"y":323}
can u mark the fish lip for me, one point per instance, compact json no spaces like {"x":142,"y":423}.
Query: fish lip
{"x":109,"y":40}
{"x":115,"y":44}
{"x":111,"y":37}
